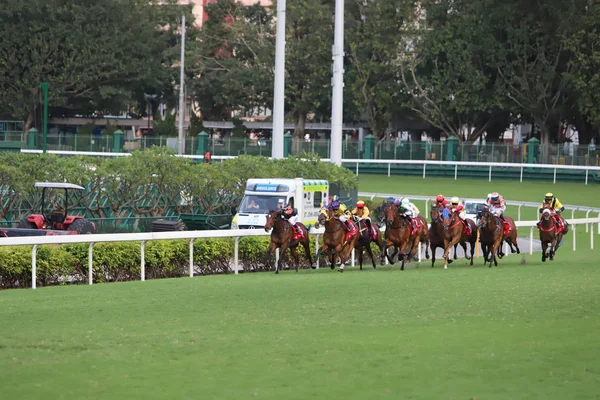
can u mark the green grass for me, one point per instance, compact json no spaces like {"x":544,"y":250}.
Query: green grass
{"x":513,"y":332}
{"x":568,"y":193}
{"x":524,"y":330}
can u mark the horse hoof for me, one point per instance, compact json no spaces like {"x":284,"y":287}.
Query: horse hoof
{"x":450,"y":261}
{"x":341,"y":270}
{"x":313,"y":267}
{"x":543,"y":259}
{"x":445,"y":267}
{"x":276,"y":271}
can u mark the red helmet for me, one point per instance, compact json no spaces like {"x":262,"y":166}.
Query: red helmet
{"x":439,"y":198}
{"x":360,"y":204}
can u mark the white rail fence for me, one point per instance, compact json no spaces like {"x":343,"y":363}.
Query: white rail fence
{"x":389,"y":163}
{"x":36,"y":241}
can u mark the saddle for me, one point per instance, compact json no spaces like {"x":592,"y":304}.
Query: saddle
{"x":506,"y":227}
{"x":415,"y":224}
{"x":298,"y":234}
{"x":467,"y":228}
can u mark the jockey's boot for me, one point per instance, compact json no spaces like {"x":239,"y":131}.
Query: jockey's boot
{"x":467,"y":227}
{"x":566,"y":228}
{"x":349,"y":230}
{"x":297,"y":232}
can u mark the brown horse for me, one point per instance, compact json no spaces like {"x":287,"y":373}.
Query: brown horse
{"x":397,"y":235}
{"x":550,"y":234}
{"x":510,"y":238}
{"x":455,"y":232}
{"x":365,"y":239}
{"x":282,"y":237}
{"x":334,"y":238}
{"x":490,"y":235}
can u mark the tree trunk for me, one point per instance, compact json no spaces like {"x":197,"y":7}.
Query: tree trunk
{"x":300,"y":123}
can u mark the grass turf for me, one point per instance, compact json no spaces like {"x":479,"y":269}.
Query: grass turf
{"x":568,"y":193}
{"x":520,"y":331}
{"x":514,"y":332}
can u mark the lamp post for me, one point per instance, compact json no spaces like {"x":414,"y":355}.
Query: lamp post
{"x":44,"y":87}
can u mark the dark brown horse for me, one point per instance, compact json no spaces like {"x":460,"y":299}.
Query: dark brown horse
{"x":282,"y":237}
{"x":490,"y":235}
{"x":510,"y":238}
{"x":397,"y":235}
{"x":365,"y":239}
{"x":550,"y":234}
{"x":455,"y":233}
{"x":334,"y":238}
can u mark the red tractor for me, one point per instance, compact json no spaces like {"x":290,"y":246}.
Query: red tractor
{"x":57,"y":220}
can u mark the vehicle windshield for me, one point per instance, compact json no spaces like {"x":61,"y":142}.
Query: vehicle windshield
{"x":473,"y":208}
{"x":261,"y":204}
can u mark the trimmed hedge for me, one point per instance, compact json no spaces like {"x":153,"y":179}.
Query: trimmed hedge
{"x":117,"y":262}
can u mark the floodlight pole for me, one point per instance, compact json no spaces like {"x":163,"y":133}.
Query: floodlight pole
{"x":44,"y":87}
{"x":337,"y":85}
{"x":181,"y":141}
{"x":279,"y":87}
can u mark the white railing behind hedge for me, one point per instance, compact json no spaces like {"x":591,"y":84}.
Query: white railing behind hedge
{"x":193,"y":235}
{"x":389,"y":163}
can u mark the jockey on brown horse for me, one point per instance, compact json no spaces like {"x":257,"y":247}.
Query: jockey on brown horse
{"x":457,"y":229}
{"x":284,"y":236}
{"x":341,"y":233}
{"x":551,"y":232}
{"x":555,"y":206}
{"x":368,"y":232}
{"x":420,"y":228}
{"x":497,"y":206}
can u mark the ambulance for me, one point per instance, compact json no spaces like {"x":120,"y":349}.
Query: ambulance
{"x":263,"y":195}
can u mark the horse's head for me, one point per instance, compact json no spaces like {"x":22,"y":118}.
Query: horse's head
{"x":390,"y":211}
{"x":271,"y":218}
{"x":546,"y":213}
{"x":434,"y":213}
{"x":323,"y":217}
{"x":447,"y":218}
{"x":485,"y":216}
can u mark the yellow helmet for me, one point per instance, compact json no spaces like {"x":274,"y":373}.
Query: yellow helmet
{"x":454,"y":200}
{"x":549,"y":195}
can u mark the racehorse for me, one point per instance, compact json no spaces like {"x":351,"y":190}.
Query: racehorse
{"x":436,"y":236}
{"x":334,"y":238}
{"x":397,"y":235}
{"x":455,"y":232}
{"x":365,"y":239}
{"x":510,"y":238}
{"x":550,"y":234}
{"x":282,"y":237}
{"x":490,"y":235}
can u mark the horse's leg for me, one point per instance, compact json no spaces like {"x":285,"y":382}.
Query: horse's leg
{"x":427,"y":244}
{"x":516,"y":243}
{"x":472,"y":243}
{"x":544,"y":248}
{"x":296,"y":256}
{"x":360,"y":256}
{"x":267,"y":258}
{"x":495,"y":247}
{"x":370,"y":253}
{"x":284,"y":247}
{"x":455,"y":255}
{"x":331,"y":258}
{"x":306,"y":245}
{"x":386,"y":247}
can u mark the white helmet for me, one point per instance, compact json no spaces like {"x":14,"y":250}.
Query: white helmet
{"x":454,"y":200}
{"x":405,"y":202}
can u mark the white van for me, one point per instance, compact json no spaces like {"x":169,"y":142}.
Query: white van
{"x":263,"y":195}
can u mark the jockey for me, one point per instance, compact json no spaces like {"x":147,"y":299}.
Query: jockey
{"x":341,"y":212}
{"x":291,"y":214}
{"x":409,"y":211}
{"x":497,"y":205}
{"x":362,"y":213}
{"x":457,"y":206}
{"x":551,"y":202}
{"x":440,"y":202}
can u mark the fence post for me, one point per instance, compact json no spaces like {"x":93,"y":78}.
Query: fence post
{"x":587,"y":226}
{"x":353,"y":262}
{"x":592,"y":238}
{"x":531,"y":240}
{"x":554,"y":175}
{"x":424,"y":167}
{"x":490,"y":175}
{"x":420,"y":250}
{"x":34,"y":266}
{"x":574,"y":237}
{"x":276,"y":256}
{"x":143,"y":257}
{"x":236,"y":255}
{"x":455,"y":171}
{"x":521,"y":179}
{"x":317,"y":249}
{"x":519,"y":212}
{"x":90,"y":264}
{"x":191,"y":257}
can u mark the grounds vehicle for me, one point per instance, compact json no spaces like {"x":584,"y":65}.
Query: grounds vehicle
{"x":472,"y":208}
{"x":57,"y":220}
{"x":262,"y":195}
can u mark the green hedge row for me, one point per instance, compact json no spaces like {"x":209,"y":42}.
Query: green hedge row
{"x":116,"y":262}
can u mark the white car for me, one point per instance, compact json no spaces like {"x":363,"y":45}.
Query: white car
{"x":472,"y":207}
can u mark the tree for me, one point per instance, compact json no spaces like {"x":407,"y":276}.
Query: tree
{"x":373,"y":31}
{"x":93,"y":55}
{"x":232,"y":64}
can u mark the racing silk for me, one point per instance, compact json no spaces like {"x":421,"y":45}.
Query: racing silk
{"x":442,"y":204}
{"x":457,"y":208}
{"x":362,"y":212}
{"x":555,"y":205}
{"x":340,"y":211}
{"x":290,"y":215}
{"x":497,"y":206}
{"x":408,"y":210}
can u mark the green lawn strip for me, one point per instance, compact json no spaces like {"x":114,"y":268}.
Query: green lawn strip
{"x":517,"y":331}
{"x":569,"y":193}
